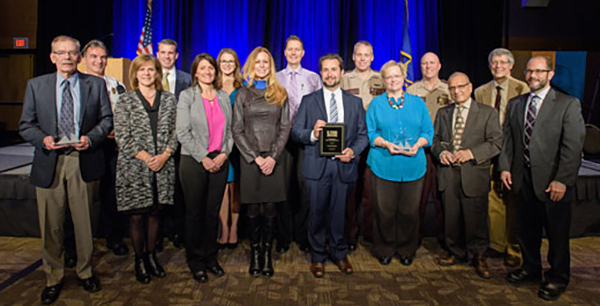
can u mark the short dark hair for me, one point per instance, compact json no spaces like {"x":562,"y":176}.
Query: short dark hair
{"x":331,"y":56}
{"x":94,"y":44}
{"x":168,"y":41}
{"x":292,"y":38}
{"x":549,"y":62}
{"x":211,"y":60}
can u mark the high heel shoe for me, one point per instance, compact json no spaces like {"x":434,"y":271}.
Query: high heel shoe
{"x":232,"y":246}
{"x":140,"y":267}
{"x":154,"y":267}
{"x":267,"y":270}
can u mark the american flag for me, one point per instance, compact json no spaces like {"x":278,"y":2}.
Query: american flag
{"x":145,"y":42}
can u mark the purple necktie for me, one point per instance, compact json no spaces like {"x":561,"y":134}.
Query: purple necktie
{"x":293,"y":94}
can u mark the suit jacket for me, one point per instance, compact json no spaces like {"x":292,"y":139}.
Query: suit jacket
{"x":555,"y":146}
{"x":482,"y":135}
{"x":192,"y":126}
{"x":133,"y":134}
{"x":183,"y":80}
{"x":485,"y":93}
{"x":312,"y":108}
{"x":39,"y":119}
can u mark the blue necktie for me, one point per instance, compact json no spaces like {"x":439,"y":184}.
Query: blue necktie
{"x":67,"y":122}
{"x":529,"y":122}
{"x":333,"y":111}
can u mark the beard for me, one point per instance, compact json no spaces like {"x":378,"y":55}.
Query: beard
{"x":334,"y":83}
{"x":535,"y":86}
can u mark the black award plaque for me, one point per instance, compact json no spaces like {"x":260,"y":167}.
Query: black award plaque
{"x":331,"y":139}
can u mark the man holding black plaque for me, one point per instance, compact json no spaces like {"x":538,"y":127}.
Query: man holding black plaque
{"x":325,"y":118}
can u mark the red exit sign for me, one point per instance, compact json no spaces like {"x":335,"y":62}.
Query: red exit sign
{"x":21,"y":42}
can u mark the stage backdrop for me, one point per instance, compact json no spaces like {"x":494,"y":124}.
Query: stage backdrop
{"x":324,"y":25}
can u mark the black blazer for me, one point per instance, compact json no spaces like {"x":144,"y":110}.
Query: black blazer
{"x":39,"y":119}
{"x":482,"y":135}
{"x":312,"y":108}
{"x":555,"y":146}
{"x":183,"y":80}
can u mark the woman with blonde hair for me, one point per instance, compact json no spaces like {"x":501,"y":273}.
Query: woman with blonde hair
{"x":261,"y":128}
{"x":145,"y":133}
{"x":230,"y":80}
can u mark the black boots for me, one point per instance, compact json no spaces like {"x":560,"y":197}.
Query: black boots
{"x":154,"y":267}
{"x":255,"y":260}
{"x":267,"y":260}
{"x":141,"y":268}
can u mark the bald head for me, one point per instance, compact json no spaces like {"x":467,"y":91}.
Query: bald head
{"x":430,"y":66}
{"x":460,"y":87}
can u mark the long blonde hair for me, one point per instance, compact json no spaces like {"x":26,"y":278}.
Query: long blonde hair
{"x":275,"y":93}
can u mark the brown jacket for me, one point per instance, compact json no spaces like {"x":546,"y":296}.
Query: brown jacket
{"x":259,"y":127}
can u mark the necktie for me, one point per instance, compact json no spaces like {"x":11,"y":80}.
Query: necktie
{"x":459,"y":128}
{"x":333,"y":111}
{"x":165,"y":82}
{"x":498,"y":98}
{"x":293,"y":94}
{"x":67,"y":122}
{"x":529,"y":122}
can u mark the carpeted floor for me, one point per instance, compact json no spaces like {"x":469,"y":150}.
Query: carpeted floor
{"x":423,"y":283}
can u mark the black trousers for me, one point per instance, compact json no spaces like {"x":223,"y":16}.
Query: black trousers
{"x":534,"y":216}
{"x":203,"y":192}
{"x":174,"y":215}
{"x":430,"y":188}
{"x":466,"y":219}
{"x":396,"y":226}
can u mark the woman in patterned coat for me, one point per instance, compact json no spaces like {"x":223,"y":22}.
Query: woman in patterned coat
{"x":144,"y":122}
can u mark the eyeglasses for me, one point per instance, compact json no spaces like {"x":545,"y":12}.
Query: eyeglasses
{"x":463,"y":86}
{"x":499,"y":63}
{"x":392,"y":77}
{"x":536,"y":71}
{"x":62,"y":53}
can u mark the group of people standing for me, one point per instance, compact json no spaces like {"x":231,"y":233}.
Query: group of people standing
{"x":230,"y":135}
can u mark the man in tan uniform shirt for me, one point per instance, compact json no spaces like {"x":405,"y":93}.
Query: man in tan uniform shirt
{"x":502,"y":211}
{"x":435,"y":94}
{"x":366,"y":84}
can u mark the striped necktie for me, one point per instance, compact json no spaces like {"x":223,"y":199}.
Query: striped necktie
{"x":67,"y":122}
{"x":459,"y":128}
{"x":333,"y":110}
{"x":529,"y":122}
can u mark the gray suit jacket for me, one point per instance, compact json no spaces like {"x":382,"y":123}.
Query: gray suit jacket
{"x":39,"y":119}
{"x":555,"y":146}
{"x":192,"y":127}
{"x":482,"y":135}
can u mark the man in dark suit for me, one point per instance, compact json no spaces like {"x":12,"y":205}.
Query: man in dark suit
{"x":59,"y":106}
{"x":329,"y":179}
{"x":540,"y":159}
{"x":175,"y":81}
{"x":467,"y":136}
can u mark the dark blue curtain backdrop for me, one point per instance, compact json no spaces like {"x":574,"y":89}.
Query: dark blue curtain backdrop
{"x":324,"y":25}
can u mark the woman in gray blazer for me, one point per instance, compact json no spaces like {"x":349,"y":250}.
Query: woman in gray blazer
{"x":204,"y":131}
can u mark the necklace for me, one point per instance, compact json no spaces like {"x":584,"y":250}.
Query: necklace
{"x":394,"y":105}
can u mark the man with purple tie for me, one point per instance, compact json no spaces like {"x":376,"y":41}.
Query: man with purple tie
{"x":292,"y":215}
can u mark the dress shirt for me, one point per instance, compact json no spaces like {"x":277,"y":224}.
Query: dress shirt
{"x":215,"y":121}
{"x":75,"y":93}
{"x":386,"y":122}
{"x":171,"y":78}
{"x":340,"y":106}
{"x":542,"y":96}
{"x":307,"y":82}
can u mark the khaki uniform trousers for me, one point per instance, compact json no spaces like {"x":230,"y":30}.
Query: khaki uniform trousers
{"x":503,"y":220}
{"x":68,"y":188}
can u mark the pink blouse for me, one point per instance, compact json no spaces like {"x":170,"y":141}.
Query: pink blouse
{"x":215,"y":120}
